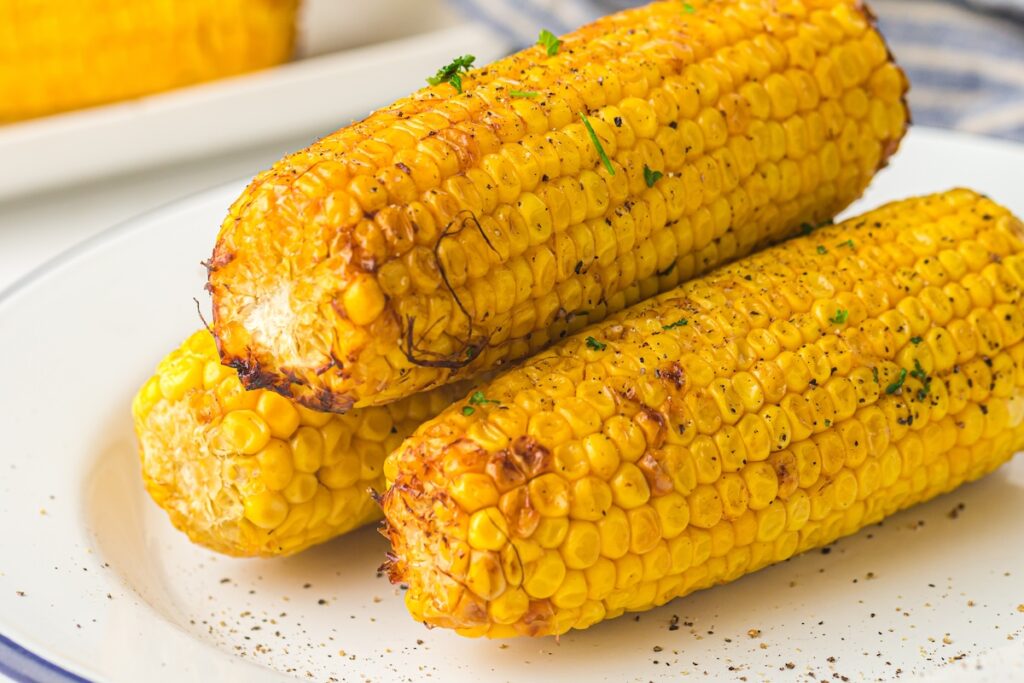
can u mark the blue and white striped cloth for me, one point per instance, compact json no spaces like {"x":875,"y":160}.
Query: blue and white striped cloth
{"x":965,"y":58}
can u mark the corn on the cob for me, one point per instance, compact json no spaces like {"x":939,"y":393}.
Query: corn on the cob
{"x":57,"y":55}
{"x":454,"y":231}
{"x":249,"y":473}
{"x":766,"y":409}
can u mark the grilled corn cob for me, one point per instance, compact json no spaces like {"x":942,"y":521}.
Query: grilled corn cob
{"x":766,"y":409}
{"x":57,"y":55}
{"x":250,"y":473}
{"x":472,"y":223}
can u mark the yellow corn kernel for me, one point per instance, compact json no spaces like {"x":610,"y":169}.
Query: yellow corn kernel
{"x":276,"y":466}
{"x":629,"y":486}
{"x":582,"y":545}
{"x":307,"y":447}
{"x":545,"y":575}
{"x":474,"y":491}
{"x":245,"y":431}
{"x":266,"y":510}
{"x":488,"y":529}
{"x":278,"y":412}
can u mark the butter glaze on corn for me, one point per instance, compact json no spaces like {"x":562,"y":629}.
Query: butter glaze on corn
{"x":250,"y":473}
{"x":57,"y":55}
{"x":681,"y":456}
{"x":339,"y":274}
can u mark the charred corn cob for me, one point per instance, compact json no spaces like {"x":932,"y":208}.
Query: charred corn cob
{"x":473,"y":222}
{"x":57,"y":55}
{"x":248,"y":472}
{"x":749,"y":415}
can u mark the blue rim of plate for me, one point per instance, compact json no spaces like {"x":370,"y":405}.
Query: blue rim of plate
{"x":17,"y":662}
{"x":25,"y":666}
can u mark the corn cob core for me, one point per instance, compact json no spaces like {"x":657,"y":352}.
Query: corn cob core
{"x":67,"y":54}
{"x":758,"y":412}
{"x":450,"y":233}
{"x":249,"y":473}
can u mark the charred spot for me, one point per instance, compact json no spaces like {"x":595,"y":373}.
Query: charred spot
{"x":538,"y":617}
{"x":403,"y":168}
{"x":531,"y":457}
{"x":325,"y":401}
{"x":251,"y":374}
{"x":655,"y":474}
{"x":519,"y":512}
{"x":654,"y":426}
{"x":218,"y":260}
{"x":674,"y":373}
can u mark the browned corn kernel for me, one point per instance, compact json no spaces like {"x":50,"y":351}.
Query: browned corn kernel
{"x":68,"y":54}
{"x":251,"y":473}
{"x":905,"y":380}
{"x":451,"y":233}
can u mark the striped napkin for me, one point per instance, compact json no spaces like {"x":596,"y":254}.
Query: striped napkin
{"x":965,"y":58}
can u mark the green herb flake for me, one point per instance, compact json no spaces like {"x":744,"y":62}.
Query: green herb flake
{"x":524,"y":93}
{"x":452,"y":72}
{"x":828,"y":423}
{"x":597,"y":144}
{"x":596,"y":345}
{"x":806,"y":229}
{"x":688,"y":8}
{"x":840,"y":317}
{"x":478,"y":399}
{"x":468,"y":410}
{"x":874,"y":375}
{"x":679,"y":323}
{"x":650,"y":176}
{"x":822,"y":250}
{"x":918,"y":372}
{"x":898,"y":384}
{"x":549,"y":41}
{"x":916,"y":340}
{"x":847,"y":243}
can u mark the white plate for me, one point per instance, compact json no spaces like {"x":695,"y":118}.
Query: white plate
{"x":311,"y":96}
{"x":94,"y":581}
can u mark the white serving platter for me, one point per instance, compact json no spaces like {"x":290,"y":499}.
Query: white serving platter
{"x":352,"y":58}
{"x":94,"y":582}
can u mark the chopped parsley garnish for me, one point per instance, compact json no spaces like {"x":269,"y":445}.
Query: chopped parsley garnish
{"x":596,"y":345}
{"x":688,"y":8}
{"x":822,"y":250}
{"x":918,"y":372}
{"x":470,"y":351}
{"x":847,"y":243}
{"x":523,"y":93}
{"x":828,"y":423}
{"x":678,"y":323}
{"x":874,"y":375}
{"x":650,"y":176}
{"x":808,"y":228}
{"x":597,"y":145}
{"x":478,"y":399}
{"x":916,"y":340}
{"x":452,"y":72}
{"x":840,"y":317}
{"x":898,"y":384}
{"x":549,"y":41}
{"x":926,"y":381}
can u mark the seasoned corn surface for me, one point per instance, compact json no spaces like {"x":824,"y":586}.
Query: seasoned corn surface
{"x":450,"y":233}
{"x":249,"y":472}
{"x":57,"y":55}
{"x":763,"y":410}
